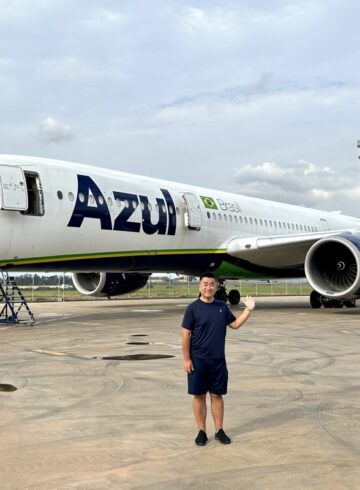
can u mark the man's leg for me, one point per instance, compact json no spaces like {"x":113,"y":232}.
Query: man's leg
{"x":217,"y":410}
{"x":199,"y":407}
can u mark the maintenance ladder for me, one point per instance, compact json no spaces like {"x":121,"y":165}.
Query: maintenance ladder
{"x":14,"y":301}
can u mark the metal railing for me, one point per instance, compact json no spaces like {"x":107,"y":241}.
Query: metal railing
{"x":156,"y":288}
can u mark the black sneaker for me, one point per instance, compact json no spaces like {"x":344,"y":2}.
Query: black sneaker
{"x":222,"y":437}
{"x":201,"y":438}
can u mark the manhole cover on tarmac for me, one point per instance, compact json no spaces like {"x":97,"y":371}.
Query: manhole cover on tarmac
{"x":136,"y":357}
{"x":139,"y":335}
{"x":7,"y":388}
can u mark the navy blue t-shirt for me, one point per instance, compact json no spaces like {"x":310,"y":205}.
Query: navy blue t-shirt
{"x":207,"y":322}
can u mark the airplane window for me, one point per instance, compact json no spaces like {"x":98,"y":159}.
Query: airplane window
{"x":214,"y":215}
{"x":236,"y":219}
{"x":150,"y":206}
{"x":301,"y":228}
{"x":142,"y":206}
{"x":275,"y":224}
{"x":225,"y":217}
{"x":163,"y":208}
{"x":292,"y":226}
{"x":297,"y":226}
{"x":171,"y":210}
{"x":270,"y":222}
{"x":284,"y":224}
{"x":265,"y":222}
{"x":126,"y":203}
{"x":250,"y":221}
{"x":246,"y":220}
{"x":91,"y":199}
{"x":71,"y":196}
{"x":81,"y":197}
{"x":134,"y":204}
{"x":240,"y":219}
{"x":280,"y":225}
{"x":256,"y":221}
{"x":59,"y":194}
{"x":220,"y":217}
{"x":157,"y":208}
{"x":260,"y":221}
{"x":288,"y":225}
{"x":101,"y":200}
{"x":118,"y":202}
{"x":208,"y":215}
{"x":109,"y":200}
{"x":230,"y":218}
{"x":177,"y":210}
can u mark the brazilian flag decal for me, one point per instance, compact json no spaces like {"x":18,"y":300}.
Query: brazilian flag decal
{"x":209,"y":202}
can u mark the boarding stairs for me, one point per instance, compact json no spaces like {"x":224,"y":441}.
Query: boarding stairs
{"x":14,"y":302}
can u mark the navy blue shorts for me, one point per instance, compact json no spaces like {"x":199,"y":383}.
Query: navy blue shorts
{"x":208,"y":375}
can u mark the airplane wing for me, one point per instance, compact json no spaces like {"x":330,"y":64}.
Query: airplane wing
{"x":280,"y":251}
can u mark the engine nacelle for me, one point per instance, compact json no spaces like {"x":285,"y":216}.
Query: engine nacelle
{"x":108,"y":283}
{"x":332,"y":266}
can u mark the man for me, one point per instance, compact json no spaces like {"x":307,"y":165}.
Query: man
{"x":203,"y":346}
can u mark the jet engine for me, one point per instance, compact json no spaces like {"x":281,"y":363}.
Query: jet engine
{"x":332,"y":266}
{"x":108,"y":283}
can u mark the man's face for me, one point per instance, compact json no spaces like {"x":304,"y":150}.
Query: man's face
{"x":208,"y":287}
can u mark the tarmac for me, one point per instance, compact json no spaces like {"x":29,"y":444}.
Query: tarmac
{"x":100,"y":400}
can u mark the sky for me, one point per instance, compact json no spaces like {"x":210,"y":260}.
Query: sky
{"x":255,"y":97}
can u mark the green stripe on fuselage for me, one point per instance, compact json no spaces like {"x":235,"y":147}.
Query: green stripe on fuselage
{"x":103,"y":255}
{"x":232,"y":271}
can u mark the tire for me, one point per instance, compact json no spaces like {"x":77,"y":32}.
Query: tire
{"x":315,"y":299}
{"x":221,"y":295}
{"x":234,"y":297}
{"x":350,"y":303}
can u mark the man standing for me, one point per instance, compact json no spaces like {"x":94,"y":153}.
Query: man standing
{"x":203,"y":347}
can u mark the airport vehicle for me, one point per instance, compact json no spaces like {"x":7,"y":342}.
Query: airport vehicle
{"x":113,"y":229}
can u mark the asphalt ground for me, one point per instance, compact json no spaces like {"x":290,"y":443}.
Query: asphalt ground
{"x":79,"y":420}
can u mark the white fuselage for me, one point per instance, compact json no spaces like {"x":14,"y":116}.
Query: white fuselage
{"x":92,"y":219}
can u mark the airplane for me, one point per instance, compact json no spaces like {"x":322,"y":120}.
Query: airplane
{"x":112,"y":230}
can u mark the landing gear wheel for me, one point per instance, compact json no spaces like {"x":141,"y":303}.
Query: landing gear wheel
{"x":234,"y":297}
{"x":315,"y":300}
{"x":350,"y":303}
{"x":221,"y":295}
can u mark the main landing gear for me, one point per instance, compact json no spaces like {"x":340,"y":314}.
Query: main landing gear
{"x":233,"y":297}
{"x":316,"y":301}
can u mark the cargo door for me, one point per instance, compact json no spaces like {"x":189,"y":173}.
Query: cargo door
{"x":13,"y":195}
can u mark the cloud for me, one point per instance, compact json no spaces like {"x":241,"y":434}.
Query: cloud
{"x":190,"y":90}
{"x":52,"y":131}
{"x":102,"y":18}
{"x":215,"y":20}
{"x":303,"y":183}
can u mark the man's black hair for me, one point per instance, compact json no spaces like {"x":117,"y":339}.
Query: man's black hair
{"x":207,"y":274}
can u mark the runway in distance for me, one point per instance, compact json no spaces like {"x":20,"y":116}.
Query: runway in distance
{"x":113,"y":229}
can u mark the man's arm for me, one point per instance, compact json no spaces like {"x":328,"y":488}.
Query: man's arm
{"x":249,"y":303}
{"x":185,"y":344}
